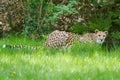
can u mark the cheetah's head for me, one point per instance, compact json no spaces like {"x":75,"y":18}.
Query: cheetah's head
{"x":100,"y":36}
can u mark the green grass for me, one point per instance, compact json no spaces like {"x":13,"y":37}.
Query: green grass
{"x":79,"y":62}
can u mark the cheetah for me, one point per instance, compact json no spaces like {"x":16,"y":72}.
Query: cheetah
{"x":62,"y":38}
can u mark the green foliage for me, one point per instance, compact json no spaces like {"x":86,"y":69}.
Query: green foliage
{"x":116,"y":35}
{"x":100,"y":23}
{"x":56,"y":11}
{"x":97,"y":22}
{"x":36,"y":22}
{"x":31,"y":24}
{"x":115,"y":14}
{"x":96,"y":3}
{"x":41,"y":16}
{"x":79,"y":28}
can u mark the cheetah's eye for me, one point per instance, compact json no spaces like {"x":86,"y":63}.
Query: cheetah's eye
{"x":99,"y":35}
{"x":103,"y":35}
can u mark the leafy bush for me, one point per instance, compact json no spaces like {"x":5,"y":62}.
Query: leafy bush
{"x":36,"y":22}
{"x":35,"y":17}
{"x":31,"y":25}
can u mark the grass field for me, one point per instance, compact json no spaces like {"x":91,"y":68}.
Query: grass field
{"x":79,"y":62}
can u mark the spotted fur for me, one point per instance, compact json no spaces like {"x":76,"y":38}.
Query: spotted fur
{"x":62,"y":38}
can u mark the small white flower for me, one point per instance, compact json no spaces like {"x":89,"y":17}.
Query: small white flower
{"x":4,"y":46}
{"x":0,"y":23}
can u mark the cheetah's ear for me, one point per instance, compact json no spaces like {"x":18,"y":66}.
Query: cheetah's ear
{"x":96,"y":30}
{"x":106,"y":32}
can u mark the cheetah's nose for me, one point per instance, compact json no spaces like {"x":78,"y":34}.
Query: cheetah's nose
{"x":102,"y":40}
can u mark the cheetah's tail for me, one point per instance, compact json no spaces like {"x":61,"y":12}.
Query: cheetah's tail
{"x":20,"y":46}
